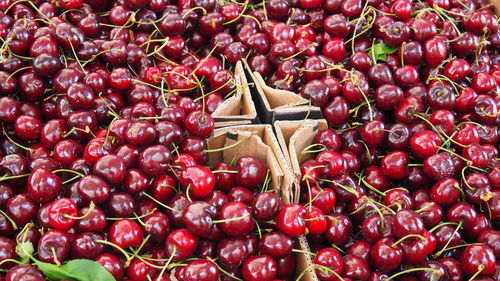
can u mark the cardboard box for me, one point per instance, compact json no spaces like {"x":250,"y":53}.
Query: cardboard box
{"x":273,"y":104}
{"x":293,"y":137}
{"x":240,"y":108}
{"x":260,"y":141}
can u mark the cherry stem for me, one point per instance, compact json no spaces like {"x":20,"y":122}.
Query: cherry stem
{"x":10,"y":260}
{"x":225,"y":171}
{"x":127,"y":256}
{"x":479,"y":270}
{"x":14,"y":225}
{"x":267,"y":180}
{"x":71,"y":179}
{"x":309,"y":149}
{"x":222,"y":270}
{"x":442,"y":224}
{"x":224,"y":148}
{"x":56,"y":260}
{"x":338,"y":248}
{"x":160,"y":203}
{"x":406,"y":237}
{"x":167,"y":264}
{"x":463,"y":245}
{"x":14,"y":142}
{"x":346,"y":188}
{"x":89,"y":211}
{"x":445,"y":248}
{"x":371,"y":187}
{"x":69,"y":171}
{"x":425,"y":208}
{"x":5,"y":177}
{"x":411,"y":270}
{"x":188,"y":188}
{"x":133,"y":218}
{"x":304,"y":252}
{"x":232,"y":219}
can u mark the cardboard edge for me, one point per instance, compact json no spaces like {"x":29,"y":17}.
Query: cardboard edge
{"x":233,"y":108}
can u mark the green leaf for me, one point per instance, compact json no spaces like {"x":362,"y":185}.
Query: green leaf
{"x":87,"y":270}
{"x":25,"y":251}
{"x":54,"y":272}
{"x":378,"y":52}
{"x":77,"y":270}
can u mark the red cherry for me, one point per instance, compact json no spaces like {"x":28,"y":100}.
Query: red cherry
{"x":199,"y":181}
{"x":125,"y":233}
{"x":290,"y":220}
{"x":59,"y":212}
{"x":331,"y":259}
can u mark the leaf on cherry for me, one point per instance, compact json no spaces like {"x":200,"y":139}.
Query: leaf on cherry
{"x":25,"y":251}
{"x":379,"y":52}
{"x":88,"y":270}
{"x":77,"y":270}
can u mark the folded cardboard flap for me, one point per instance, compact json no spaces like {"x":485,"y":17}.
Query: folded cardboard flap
{"x":302,"y":138}
{"x":277,"y":98}
{"x":260,"y":141}
{"x":273,"y":104}
{"x":284,"y":132}
{"x":232,"y":123}
{"x":246,"y":140}
{"x":240,"y":106}
{"x":305,"y":260}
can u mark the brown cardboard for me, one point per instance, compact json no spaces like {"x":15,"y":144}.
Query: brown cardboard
{"x":258,"y":141}
{"x":290,"y":141}
{"x":240,"y":107}
{"x":273,"y":104}
{"x":293,"y":137}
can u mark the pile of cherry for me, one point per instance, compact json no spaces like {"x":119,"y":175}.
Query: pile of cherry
{"x":105,"y":107}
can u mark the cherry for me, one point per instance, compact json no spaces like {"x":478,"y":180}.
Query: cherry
{"x":355,"y":267}
{"x":478,"y":258}
{"x":181,"y":244}
{"x":21,"y":208}
{"x":112,"y":264}
{"x":27,"y":127}
{"x":54,"y":246}
{"x":201,"y":269}
{"x":439,"y":166}
{"x":261,"y":267}
{"x":8,"y":247}
{"x":198,"y":218}
{"x":331,"y":259}
{"x":24,"y":272}
{"x":376,"y":227}
{"x":198,"y":180}
{"x":199,"y":123}
{"x":125,"y":233}
{"x":240,"y":194}
{"x":395,"y":165}
{"x":111,"y":168}
{"x":251,"y":171}
{"x":62,"y":213}
{"x":93,"y":189}
{"x":231,"y":252}
{"x":339,"y":229}
{"x":236,"y":220}
{"x":43,"y":186}
{"x":290,"y":220}
{"x":333,"y":162}
{"x":95,"y":220}
{"x":385,"y":256}
{"x":373,"y":133}
{"x":120,"y":204}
